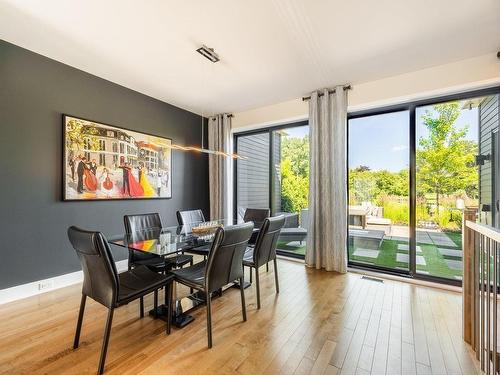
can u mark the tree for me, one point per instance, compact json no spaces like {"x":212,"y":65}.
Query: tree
{"x":294,"y":188}
{"x":77,"y":131}
{"x":445,"y":156}
{"x":294,"y":169}
{"x":297,"y":151}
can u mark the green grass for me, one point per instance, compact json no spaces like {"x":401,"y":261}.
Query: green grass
{"x":436,"y":265}
{"x":435,"y":262}
{"x":283,"y":245}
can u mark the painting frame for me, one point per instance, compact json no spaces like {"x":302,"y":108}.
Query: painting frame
{"x":119,"y":129}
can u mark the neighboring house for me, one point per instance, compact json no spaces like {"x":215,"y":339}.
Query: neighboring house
{"x":253,"y":174}
{"x":489,"y":146}
{"x":115,"y":147}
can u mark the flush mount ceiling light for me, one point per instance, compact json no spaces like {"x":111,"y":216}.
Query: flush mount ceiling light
{"x":210,"y":54}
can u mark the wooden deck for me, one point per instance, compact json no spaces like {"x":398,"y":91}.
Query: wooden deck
{"x":320,"y":323}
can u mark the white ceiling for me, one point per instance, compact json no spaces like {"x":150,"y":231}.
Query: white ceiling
{"x":271,"y":50}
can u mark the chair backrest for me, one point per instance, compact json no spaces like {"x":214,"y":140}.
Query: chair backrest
{"x":267,"y":240}
{"x":100,"y":278}
{"x":257,"y":215}
{"x":135,"y":223}
{"x":190,"y":217}
{"x":225,"y":260}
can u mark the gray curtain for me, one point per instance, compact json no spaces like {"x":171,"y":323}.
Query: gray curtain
{"x":327,"y":232}
{"x":219,"y":139}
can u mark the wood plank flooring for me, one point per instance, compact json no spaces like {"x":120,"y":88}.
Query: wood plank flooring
{"x":320,"y":323}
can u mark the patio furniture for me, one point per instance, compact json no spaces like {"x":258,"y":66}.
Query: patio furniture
{"x":357,"y":215}
{"x":366,"y":238}
{"x":291,"y":230}
{"x":376,"y":218}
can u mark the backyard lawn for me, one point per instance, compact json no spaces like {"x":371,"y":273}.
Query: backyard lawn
{"x":447,"y":265}
{"x":435,"y":259}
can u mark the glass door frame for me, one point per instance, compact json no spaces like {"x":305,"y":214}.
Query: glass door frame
{"x":269,"y":130}
{"x":411,"y":108}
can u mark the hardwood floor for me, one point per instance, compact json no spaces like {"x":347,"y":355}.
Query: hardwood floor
{"x":320,"y":323}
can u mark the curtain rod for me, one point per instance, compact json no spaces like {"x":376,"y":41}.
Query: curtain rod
{"x":346,"y":87}
{"x":228,"y":115}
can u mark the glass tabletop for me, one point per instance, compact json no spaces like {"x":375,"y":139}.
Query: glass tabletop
{"x":170,"y":240}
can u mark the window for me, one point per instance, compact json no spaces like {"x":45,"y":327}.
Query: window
{"x":275,"y":175}
{"x":379,"y":199}
{"x":86,"y":144}
{"x":413,"y":169}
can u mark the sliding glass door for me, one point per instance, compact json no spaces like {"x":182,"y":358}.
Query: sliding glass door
{"x":447,"y":178}
{"x":413,"y":170}
{"x":275,"y":175}
{"x":379,"y":199}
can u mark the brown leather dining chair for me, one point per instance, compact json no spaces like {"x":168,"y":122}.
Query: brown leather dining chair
{"x":150,"y":221}
{"x":105,"y":285}
{"x":257,"y":216}
{"x":265,"y":250}
{"x":192,"y":217}
{"x":223,"y":266}
{"x":141,"y":222}
{"x":187,"y":217}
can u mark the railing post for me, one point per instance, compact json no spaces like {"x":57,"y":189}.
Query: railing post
{"x":468,"y":276}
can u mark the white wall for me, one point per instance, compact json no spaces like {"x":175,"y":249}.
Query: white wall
{"x":477,"y":72}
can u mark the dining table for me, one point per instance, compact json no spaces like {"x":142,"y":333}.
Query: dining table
{"x":167,"y":242}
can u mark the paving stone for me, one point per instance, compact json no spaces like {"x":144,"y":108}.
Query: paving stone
{"x":404,"y":258}
{"x":404,"y":247}
{"x":454,"y":264}
{"x":450,"y":252}
{"x":398,"y":238}
{"x":442,"y":239}
{"x":367,"y":253}
{"x":423,"y":272}
{"x":296,"y":243}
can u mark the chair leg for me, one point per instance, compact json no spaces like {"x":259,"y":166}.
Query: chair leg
{"x":79,"y":323}
{"x":168,"y":302}
{"x":267,"y":267}
{"x":243,"y":305}
{"x":251,"y":271}
{"x":105,"y":341}
{"x":141,"y":306}
{"x":209,"y":319}
{"x":277,"y":284}
{"x":191,"y":291}
{"x":258,"y":286}
{"x":155,"y":304}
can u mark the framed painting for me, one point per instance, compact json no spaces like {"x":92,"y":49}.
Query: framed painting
{"x":107,"y":162}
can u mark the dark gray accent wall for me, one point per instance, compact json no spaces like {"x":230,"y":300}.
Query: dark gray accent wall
{"x":34,"y":93}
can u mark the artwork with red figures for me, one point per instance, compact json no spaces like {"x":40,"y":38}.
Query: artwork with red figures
{"x":107,"y":162}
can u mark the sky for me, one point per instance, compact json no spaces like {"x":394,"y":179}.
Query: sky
{"x":381,"y":142}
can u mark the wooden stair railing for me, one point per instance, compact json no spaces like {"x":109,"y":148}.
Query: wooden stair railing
{"x":481,"y":245}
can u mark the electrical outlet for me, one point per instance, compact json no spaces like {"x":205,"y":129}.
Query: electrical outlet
{"x":47,"y":284}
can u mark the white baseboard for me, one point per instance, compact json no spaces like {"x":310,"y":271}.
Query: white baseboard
{"x":42,"y":286}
